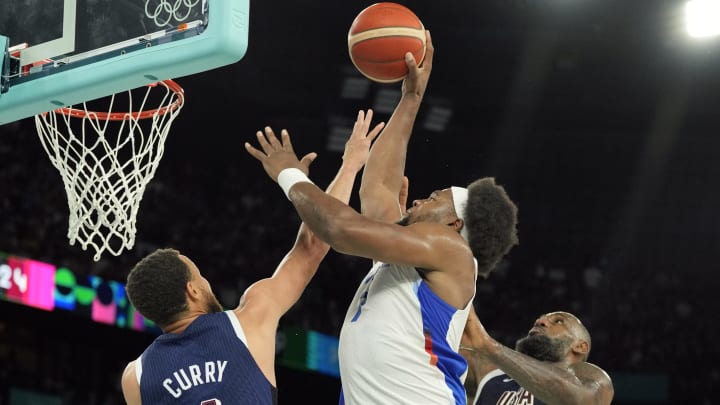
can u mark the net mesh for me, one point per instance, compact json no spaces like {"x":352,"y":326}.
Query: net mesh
{"x":106,"y":159}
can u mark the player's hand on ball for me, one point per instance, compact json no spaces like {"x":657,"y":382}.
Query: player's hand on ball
{"x":417,"y":79}
{"x":278,"y":154}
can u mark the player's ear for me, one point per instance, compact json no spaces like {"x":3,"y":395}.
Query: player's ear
{"x":191,"y":290}
{"x":457,"y":224}
{"x":581,"y":348}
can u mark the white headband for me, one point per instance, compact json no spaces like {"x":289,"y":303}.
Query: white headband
{"x":460,"y":196}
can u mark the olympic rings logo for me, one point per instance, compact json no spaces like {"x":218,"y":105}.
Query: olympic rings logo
{"x":166,"y":10}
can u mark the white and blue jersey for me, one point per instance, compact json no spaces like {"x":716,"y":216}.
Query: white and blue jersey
{"x":399,"y":342}
{"x":207,"y":364}
{"x":497,"y":388}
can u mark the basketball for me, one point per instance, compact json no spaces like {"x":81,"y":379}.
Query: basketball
{"x":379,"y":38}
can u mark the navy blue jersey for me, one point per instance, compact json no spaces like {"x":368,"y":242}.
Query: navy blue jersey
{"x":497,"y":388}
{"x":207,"y":364}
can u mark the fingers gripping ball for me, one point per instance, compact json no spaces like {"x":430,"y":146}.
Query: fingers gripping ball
{"x":379,"y":38}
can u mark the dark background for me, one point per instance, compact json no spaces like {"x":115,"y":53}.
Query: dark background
{"x":598,"y":117}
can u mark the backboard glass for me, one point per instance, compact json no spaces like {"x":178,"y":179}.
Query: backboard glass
{"x":59,"y":53}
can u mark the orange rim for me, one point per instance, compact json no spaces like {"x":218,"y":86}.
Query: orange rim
{"x":119,"y":116}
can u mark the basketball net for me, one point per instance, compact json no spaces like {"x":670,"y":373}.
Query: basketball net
{"x":106,"y":159}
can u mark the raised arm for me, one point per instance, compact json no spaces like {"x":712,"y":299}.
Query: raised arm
{"x":383,"y":174}
{"x":357,"y":150}
{"x":264,"y":302}
{"x":579,"y":384}
{"x":428,"y":245}
{"x":298,"y":267}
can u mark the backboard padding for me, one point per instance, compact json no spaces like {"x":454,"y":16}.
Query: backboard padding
{"x":222,"y":41}
{"x":4,"y":64}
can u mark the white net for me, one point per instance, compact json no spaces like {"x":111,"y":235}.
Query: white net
{"x":106,"y":159}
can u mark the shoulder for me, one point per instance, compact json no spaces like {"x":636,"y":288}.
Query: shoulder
{"x":441,"y":237}
{"x":594,"y":377}
{"x":129,"y":370}
{"x":591,"y":371}
{"x":451,"y":251}
{"x":130,"y":385}
{"x":257,"y":308}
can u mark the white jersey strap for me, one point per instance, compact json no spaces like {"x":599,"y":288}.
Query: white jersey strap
{"x":138,"y":368}
{"x":239,"y":332}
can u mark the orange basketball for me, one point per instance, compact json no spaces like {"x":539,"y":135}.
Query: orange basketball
{"x":380,"y":36}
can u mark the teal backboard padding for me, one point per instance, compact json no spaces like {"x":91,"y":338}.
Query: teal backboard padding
{"x":224,"y":41}
{"x":4,"y":63}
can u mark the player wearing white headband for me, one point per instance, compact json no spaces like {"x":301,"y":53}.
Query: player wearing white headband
{"x":400,"y":338}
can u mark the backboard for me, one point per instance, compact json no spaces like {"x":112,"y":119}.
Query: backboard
{"x":59,"y":53}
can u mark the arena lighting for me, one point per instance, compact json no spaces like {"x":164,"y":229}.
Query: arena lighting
{"x":437,"y":118}
{"x":337,"y":138}
{"x":386,"y":100}
{"x":702,"y":18}
{"x":51,"y":288}
{"x":341,"y":127}
{"x":354,"y":88}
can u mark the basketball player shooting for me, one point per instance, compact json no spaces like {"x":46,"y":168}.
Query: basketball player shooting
{"x":401,"y":334}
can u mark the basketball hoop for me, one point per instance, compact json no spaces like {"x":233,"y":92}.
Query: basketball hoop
{"x":106,"y":160}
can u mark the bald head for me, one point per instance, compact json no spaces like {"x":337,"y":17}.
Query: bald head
{"x":575,"y":327}
{"x":556,"y":337}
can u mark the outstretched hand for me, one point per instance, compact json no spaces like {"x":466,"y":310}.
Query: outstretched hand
{"x":357,"y":147}
{"x":277,"y":155}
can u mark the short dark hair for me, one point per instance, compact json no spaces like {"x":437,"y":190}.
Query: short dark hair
{"x":156,"y":286}
{"x":491,"y":220}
